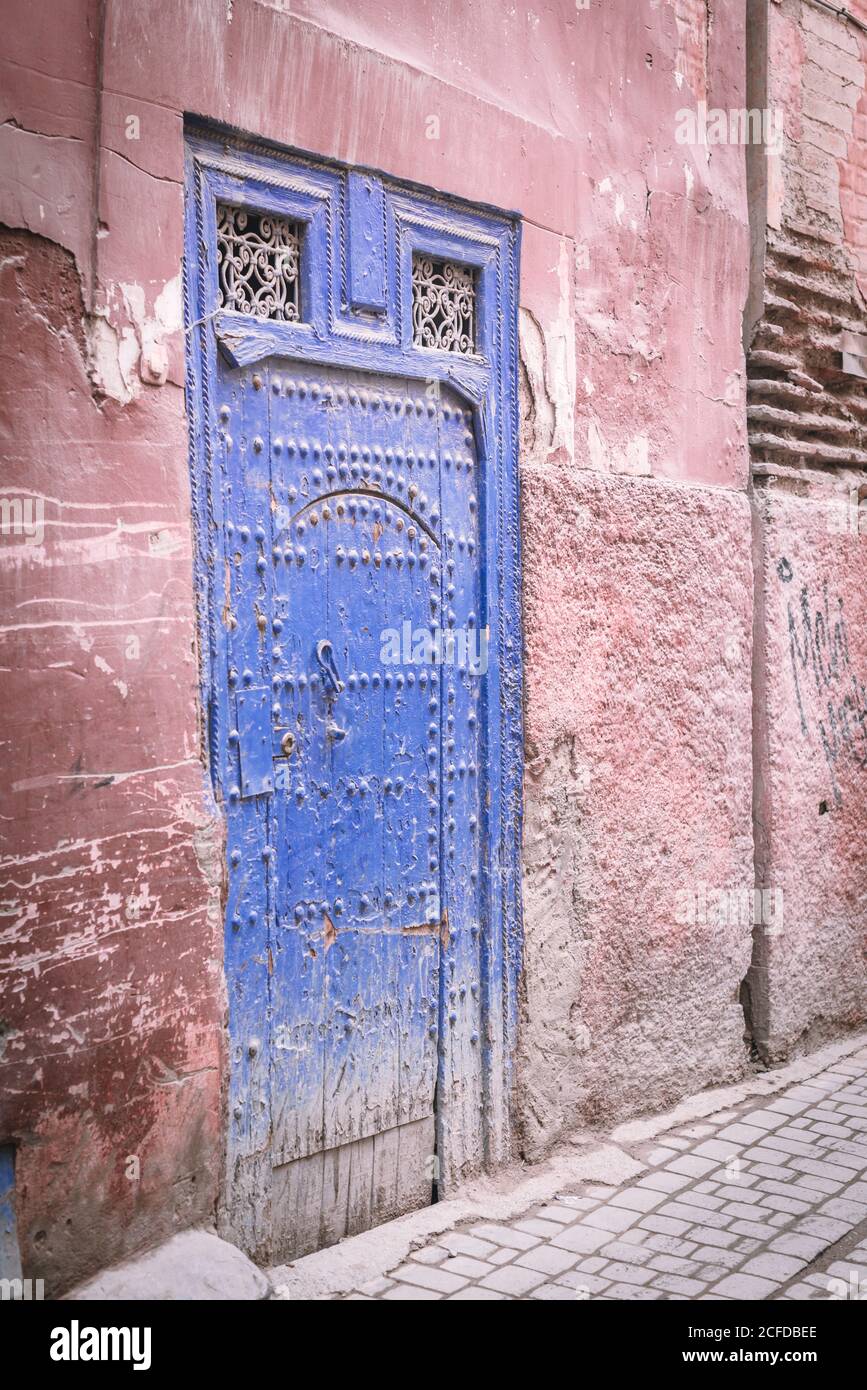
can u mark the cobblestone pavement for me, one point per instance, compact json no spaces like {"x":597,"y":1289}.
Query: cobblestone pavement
{"x":768,"y":1201}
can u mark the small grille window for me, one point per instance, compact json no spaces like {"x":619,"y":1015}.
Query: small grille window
{"x":443,"y":305}
{"x":258,"y":263}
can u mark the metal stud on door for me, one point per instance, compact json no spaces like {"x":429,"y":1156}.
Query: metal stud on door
{"x":357,"y":901}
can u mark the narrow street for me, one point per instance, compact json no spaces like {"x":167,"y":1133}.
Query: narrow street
{"x":762,"y":1200}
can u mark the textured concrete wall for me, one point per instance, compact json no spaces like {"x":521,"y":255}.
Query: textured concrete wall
{"x":637,"y":796}
{"x":808,"y":982}
{"x":638,"y":589}
{"x":808,"y":435}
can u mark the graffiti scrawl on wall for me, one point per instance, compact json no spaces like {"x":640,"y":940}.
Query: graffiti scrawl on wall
{"x":832,"y":699}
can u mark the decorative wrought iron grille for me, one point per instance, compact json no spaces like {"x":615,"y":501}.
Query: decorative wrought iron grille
{"x":443,"y":305}
{"x":259,"y":263}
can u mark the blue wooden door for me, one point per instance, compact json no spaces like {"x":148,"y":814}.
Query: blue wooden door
{"x":348,"y":633}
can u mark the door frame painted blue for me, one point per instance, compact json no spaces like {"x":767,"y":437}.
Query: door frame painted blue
{"x":359,"y":315}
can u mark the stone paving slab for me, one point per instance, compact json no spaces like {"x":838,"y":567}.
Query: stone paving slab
{"x":767,"y":1201}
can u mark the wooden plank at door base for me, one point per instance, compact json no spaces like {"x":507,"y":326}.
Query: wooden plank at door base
{"x":318,"y":1200}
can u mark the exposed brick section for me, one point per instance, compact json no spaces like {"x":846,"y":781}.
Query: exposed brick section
{"x":802,"y":407}
{"x":807,"y":420}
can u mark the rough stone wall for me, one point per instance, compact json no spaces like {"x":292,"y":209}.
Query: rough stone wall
{"x":637,"y":793}
{"x":808,"y":981}
{"x":808,"y":438}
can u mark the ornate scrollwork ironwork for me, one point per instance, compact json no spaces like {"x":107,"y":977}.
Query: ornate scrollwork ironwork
{"x":443,"y":305}
{"x":259,"y":263}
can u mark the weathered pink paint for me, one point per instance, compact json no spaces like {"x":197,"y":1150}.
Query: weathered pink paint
{"x":112,"y":1010}
{"x":637,"y":536}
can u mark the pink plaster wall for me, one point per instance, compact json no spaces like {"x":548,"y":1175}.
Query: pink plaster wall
{"x":808,"y":980}
{"x":637,"y":796}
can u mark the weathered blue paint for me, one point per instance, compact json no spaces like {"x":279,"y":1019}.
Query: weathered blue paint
{"x":10,"y":1254}
{"x":366,"y":225}
{"x":347,"y":483}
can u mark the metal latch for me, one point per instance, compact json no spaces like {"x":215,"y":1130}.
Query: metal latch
{"x":328,"y":666}
{"x":254,"y":741}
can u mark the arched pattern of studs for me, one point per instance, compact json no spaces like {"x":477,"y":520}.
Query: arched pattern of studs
{"x":345,"y":481}
{"x":325,"y":467}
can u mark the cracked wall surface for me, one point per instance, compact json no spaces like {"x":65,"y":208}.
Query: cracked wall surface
{"x":111,"y":993}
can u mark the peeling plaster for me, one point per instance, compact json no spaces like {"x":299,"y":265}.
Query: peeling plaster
{"x":547,"y":356}
{"x":631,"y":456}
{"x":129,"y":346}
{"x":114,"y":355}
